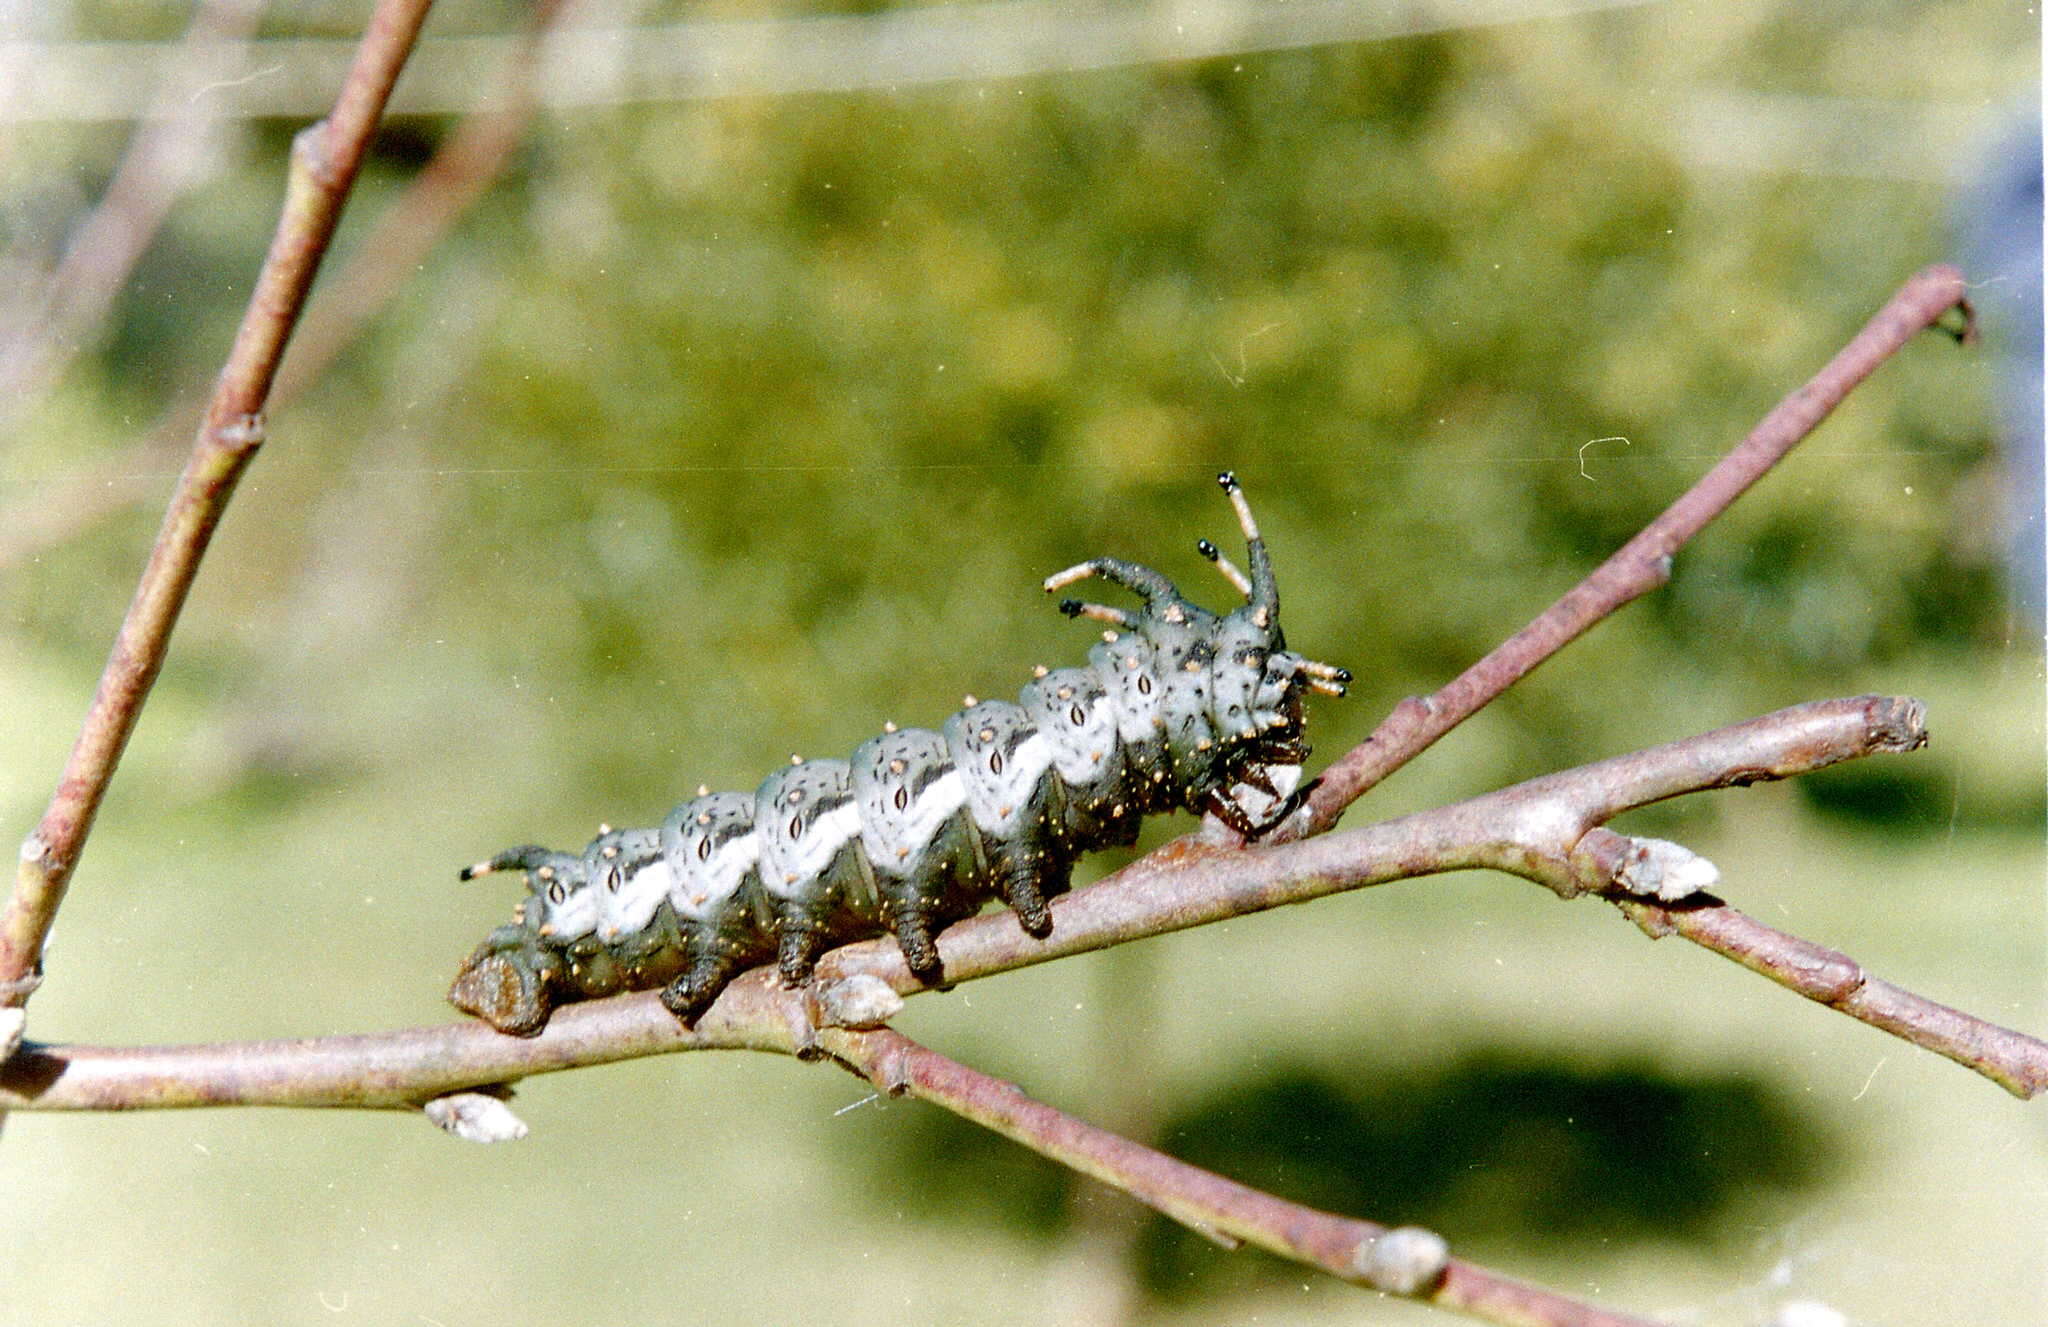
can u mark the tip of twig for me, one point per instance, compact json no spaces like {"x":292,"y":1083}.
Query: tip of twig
{"x":1897,"y":723}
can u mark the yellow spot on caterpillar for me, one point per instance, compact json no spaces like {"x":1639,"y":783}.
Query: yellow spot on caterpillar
{"x":1109,"y":636}
{"x":611,"y":850}
{"x":889,"y":725}
{"x":795,"y":759}
{"x":1039,"y":670}
{"x":703,"y":817}
{"x":970,"y":701}
{"x":603,"y":828}
{"x":546,"y":873}
{"x":703,"y":790}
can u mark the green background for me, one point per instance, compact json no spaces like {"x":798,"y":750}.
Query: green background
{"x":729,"y":428}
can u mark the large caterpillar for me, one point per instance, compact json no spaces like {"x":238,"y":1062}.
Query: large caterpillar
{"x":1177,"y":708}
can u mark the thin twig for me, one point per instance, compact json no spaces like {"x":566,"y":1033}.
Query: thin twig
{"x":1537,"y":830}
{"x":1361,"y":1252}
{"x":324,"y":161}
{"x":159,"y":165}
{"x":1644,"y":562}
{"x":461,"y":170}
{"x":2010,"y":1059}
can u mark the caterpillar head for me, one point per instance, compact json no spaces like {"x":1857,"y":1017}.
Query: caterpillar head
{"x":1229,"y":691}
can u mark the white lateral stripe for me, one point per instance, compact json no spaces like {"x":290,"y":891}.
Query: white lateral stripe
{"x":697,"y":890}
{"x":632,"y":907}
{"x":807,"y":858}
{"x":896,"y":845}
{"x":1081,"y":755}
{"x":998,"y":800}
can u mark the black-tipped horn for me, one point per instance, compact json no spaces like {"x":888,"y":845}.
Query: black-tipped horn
{"x":1265,"y":591}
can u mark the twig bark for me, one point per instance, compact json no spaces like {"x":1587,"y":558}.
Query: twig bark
{"x":1644,"y":562}
{"x":324,"y":161}
{"x":1537,"y":830}
{"x":1403,"y":1261}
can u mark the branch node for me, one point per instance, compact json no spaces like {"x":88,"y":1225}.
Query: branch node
{"x":240,"y":433}
{"x":1830,"y":975}
{"x":310,"y":155}
{"x":477,"y":1116}
{"x":35,"y":851}
{"x":1407,"y":1260}
{"x":862,"y":1000}
{"x":1607,"y":863}
{"x":1650,"y":919}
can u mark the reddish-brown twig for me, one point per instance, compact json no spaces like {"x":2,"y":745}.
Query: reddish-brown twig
{"x":1643,"y":563}
{"x":325,"y":158}
{"x":1405,"y":1261}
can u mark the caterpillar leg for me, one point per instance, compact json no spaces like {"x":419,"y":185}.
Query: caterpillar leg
{"x":914,"y":936}
{"x":797,"y":950}
{"x":1028,"y":888}
{"x":689,"y":995}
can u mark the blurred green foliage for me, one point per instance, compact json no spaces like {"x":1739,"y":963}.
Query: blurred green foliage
{"x":729,"y":428}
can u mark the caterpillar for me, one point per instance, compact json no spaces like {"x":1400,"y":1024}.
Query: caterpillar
{"x":1177,"y":708}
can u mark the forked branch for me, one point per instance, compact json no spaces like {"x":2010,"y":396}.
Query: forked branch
{"x":1540,"y":830}
{"x":1644,"y":562}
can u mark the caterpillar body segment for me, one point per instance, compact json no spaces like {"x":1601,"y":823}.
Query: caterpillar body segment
{"x":1177,"y":708}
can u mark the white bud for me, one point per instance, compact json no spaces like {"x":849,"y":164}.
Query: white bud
{"x":1404,"y":1261}
{"x":476,"y":1117}
{"x":860,"y":1001}
{"x":1666,"y":870}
